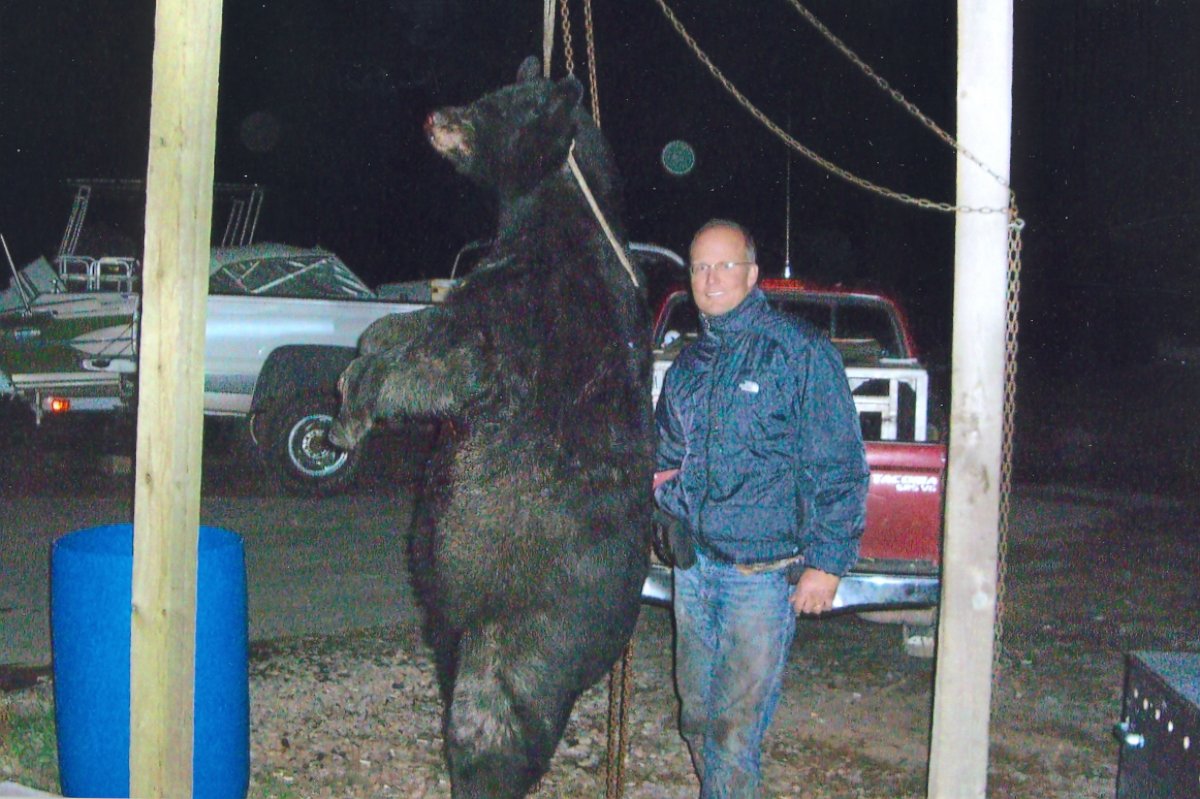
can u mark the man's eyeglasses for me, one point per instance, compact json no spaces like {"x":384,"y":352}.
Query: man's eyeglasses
{"x":720,"y":267}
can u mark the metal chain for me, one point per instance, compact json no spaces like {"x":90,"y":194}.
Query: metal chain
{"x":568,"y":50}
{"x":894,"y":93}
{"x":591,"y":54}
{"x":1012,"y":326}
{"x":620,"y":677}
{"x":1015,"y":228}
{"x":1008,"y":425}
{"x":807,"y":152}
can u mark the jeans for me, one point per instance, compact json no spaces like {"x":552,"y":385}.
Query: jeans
{"x":732,"y":635}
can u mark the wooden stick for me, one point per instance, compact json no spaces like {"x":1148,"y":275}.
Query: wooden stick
{"x":958,"y":753}
{"x":179,"y":184}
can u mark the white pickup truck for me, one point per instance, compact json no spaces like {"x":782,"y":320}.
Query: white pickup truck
{"x":282,"y":324}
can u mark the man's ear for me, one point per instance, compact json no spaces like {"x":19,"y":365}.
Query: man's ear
{"x":752,"y":274}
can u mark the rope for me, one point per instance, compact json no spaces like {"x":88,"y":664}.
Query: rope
{"x":547,"y":36}
{"x":587,"y":192}
{"x":618,"y":680}
{"x":1012,"y":323}
{"x":569,"y":49}
{"x":619,"y":690}
{"x":808,"y":152}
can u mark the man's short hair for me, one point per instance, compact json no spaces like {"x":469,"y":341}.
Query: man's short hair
{"x":751,"y":250}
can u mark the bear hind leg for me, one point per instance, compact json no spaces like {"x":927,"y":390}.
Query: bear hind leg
{"x":500,"y":733}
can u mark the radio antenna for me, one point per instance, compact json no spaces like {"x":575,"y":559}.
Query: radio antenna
{"x":787,"y":222}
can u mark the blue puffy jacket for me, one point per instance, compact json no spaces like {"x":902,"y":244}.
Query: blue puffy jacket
{"x":757,"y":414}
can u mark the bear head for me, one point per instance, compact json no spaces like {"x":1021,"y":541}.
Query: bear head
{"x":512,"y":139}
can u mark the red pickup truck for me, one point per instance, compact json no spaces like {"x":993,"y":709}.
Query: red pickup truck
{"x":900,"y":554}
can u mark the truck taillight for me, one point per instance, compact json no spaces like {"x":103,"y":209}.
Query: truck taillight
{"x":58,"y":404}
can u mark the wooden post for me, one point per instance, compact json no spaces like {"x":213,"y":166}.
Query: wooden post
{"x":958,"y":755}
{"x":179,"y":184}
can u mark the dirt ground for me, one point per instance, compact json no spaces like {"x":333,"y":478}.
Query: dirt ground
{"x":1103,"y":558}
{"x":1090,"y":578}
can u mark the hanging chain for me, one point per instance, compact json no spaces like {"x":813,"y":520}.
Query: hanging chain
{"x":620,"y":677}
{"x":1012,"y":323}
{"x":1015,"y":228}
{"x":591,"y":54}
{"x":1008,"y":424}
{"x":808,"y":152}
{"x":894,"y":93}
{"x":568,"y":49}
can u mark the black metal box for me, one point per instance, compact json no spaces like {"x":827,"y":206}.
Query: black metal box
{"x":1160,"y":727}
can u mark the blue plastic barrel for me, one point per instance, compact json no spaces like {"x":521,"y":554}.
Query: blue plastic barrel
{"x":91,"y":593}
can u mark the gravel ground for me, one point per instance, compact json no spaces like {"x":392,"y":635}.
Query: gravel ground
{"x":1091,"y":577}
{"x":358,"y":716}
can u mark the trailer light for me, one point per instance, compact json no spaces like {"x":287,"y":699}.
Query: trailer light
{"x":59,"y":404}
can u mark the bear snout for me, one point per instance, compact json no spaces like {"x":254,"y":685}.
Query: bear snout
{"x":447,"y":134}
{"x":432,"y":121}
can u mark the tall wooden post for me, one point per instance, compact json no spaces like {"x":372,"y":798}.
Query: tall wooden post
{"x":958,"y":754}
{"x":179,"y":183}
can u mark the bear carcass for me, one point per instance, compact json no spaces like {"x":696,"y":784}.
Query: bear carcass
{"x":530,"y":543}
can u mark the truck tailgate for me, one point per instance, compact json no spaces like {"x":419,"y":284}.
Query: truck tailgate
{"x":904,"y":506}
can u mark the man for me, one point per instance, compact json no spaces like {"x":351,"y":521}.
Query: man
{"x":757,"y":418}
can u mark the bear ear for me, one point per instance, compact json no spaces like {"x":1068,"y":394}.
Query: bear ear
{"x":530,"y":70}
{"x":569,"y":90}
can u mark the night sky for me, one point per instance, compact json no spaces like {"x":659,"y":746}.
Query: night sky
{"x":322,"y":103}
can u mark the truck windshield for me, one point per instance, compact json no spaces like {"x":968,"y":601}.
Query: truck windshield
{"x":842,"y":317}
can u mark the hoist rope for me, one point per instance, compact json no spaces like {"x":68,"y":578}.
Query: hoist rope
{"x":547,"y":36}
{"x":608,"y":231}
{"x":1008,"y":426}
{"x":547,"y":47}
{"x":568,"y":47}
{"x":620,"y":677}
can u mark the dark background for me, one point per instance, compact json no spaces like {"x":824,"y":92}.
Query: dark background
{"x":322,"y":102}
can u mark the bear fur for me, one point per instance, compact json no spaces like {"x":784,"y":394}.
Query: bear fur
{"x":530,"y":543}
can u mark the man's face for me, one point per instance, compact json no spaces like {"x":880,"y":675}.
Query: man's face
{"x":717,"y":290}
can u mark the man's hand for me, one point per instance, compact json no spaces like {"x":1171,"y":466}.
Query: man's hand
{"x":678,"y":539}
{"x":814,"y":592}
{"x":664,"y":476}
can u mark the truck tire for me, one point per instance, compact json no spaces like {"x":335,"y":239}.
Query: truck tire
{"x":299,"y":453}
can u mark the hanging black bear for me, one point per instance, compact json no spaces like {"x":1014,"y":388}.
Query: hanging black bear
{"x":530,"y":544}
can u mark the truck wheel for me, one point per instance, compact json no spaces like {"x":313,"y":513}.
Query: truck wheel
{"x":299,"y":452}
